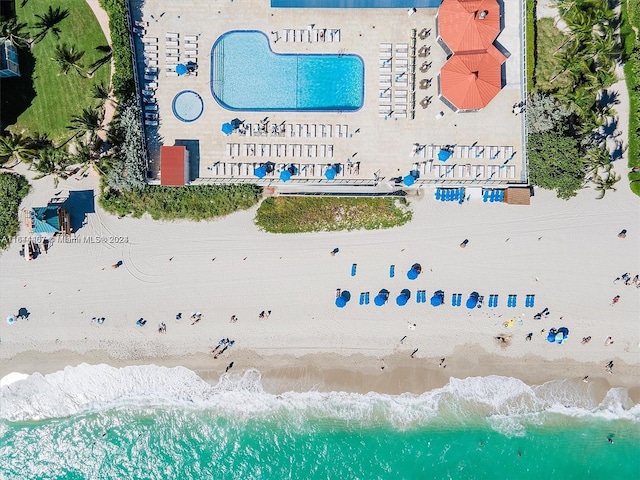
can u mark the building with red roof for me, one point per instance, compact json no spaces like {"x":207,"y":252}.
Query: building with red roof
{"x":174,"y":165}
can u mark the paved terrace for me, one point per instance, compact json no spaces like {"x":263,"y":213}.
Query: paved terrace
{"x":374,"y":144}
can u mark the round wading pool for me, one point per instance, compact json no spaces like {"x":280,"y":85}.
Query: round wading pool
{"x":188,"y":106}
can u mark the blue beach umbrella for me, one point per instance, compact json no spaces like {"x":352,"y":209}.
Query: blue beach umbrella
{"x":437,"y":299}
{"x":444,"y":155}
{"x":340,"y":302}
{"x":412,"y":274}
{"x":285,"y":175}
{"x":409,"y":180}
{"x":379,"y":300}
{"x":181,"y":69}
{"x":227,"y":128}
{"x":260,"y":172}
{"x":330,"y":173}
{"x":472,"y":301}
{"x":401,"y":300}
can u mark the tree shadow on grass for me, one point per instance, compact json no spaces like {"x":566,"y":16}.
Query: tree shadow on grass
{"x":17,"y":92}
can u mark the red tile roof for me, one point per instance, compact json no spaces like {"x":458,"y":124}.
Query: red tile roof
{"x":471,"y":80}
{"x":468,"y":25}
{"x":172,"y":165}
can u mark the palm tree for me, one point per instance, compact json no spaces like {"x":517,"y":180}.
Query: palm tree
{"x":87,"y":156}
{"x":17,"y":148}
{"x":49,"y":22}
{"x":41,"y":140}
{"x":52,"y":161}
{"x":106,"y":58}
{"x":14,"y":31}
{"x":101,"y":92}
{"x":603,"y":184}
{"x":68,"y":58}
{"x":88,"y":123}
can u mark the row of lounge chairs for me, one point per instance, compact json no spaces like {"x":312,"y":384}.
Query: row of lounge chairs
{"x":396,"y":80}
{"x":278,"y":150}
{"x":309,"y":170}
{"x":293,"y":130}
{"x":457,"y":299}
{"x":465,"y":152}
{"x":311,"y":35}
{"x":450,"y":194}
{"x":430,"y":169}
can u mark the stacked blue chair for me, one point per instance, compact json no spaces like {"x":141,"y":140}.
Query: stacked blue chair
{"x":485,"y":195}
{"x":392,"y":271}
{"x":512,"y":301}
{"x":438,"y":194}
{"x":362,"y":297}
{"x":456,"y":299}
{"x":366,"y":298}
{"x":353,"y":269}
{"x":529,"y":301}
{"x":493,"y":300}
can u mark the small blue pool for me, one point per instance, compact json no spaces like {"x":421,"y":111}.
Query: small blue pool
{"x":247,"y":75}
{"x":188,"y":106}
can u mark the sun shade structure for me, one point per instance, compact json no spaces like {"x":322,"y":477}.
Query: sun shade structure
{"x":468,"y":25}
{"x":472,"y":77}
{"x":470,"y":81}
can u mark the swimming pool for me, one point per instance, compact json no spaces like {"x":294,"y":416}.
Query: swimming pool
{"x":247,"y":75}
{"x":187,"y":106}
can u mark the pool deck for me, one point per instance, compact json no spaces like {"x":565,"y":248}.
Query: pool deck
{"x":372,"y":147}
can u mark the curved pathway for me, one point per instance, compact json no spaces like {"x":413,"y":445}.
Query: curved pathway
{"x":103,"y":20}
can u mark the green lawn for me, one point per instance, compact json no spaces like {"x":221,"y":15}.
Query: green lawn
{"x":547,"y":66}
{"x":44,"y":100}
{"x":316,"y":214}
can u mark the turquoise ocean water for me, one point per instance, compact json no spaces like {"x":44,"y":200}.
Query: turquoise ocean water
{"x":98,"y":422}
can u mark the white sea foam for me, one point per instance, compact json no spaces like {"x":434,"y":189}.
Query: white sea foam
{"x":508,"y":404}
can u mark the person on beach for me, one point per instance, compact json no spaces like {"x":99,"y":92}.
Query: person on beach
{"x":414,"y":352}
{"x":608,"y":341}
{"x":268,"y":313}
{"x":615,"y":300}
{"x":334,"y":251}
{"x":585,"y":379}
{"x":609,"y":367}
{"x":529,"y":337}
{"x":585,"y":340}
{"x":234,"y":319}
{"x":228,"y":367}
{"x":442,"y":364}
{"x":220,"y":343}
{"x":261,"y":314}
{"x":623,"y":233}
{"x":464,"y":243}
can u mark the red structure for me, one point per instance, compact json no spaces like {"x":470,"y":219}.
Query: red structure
{"x":472,"y":77}
{"x":174,"y":166}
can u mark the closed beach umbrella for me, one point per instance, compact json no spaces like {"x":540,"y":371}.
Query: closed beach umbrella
{"x":409,"y":180}
{"x":340,"y":301}
{"x":11,"y":320}
{"x":330,"y":174}
{"x":227,"y":128}
{"x":236,"y":122}
{"x":260,"y":172}
{"x":285,"y":175}
{"x":443,"y":155}
{"x":181,"y":69}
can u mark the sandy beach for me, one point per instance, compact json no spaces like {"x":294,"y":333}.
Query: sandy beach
{"x":567,"y":254}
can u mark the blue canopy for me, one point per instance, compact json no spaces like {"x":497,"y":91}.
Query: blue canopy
{"x":330,"y":173}
{"x":380,"y":300}
{"x":401,"y":300}
{"x":409,"y":180}
{"x":436,"y":300}
{"x":260,"y":172}
{"x":181,"y":69}
{"x":285,"y":175}
{"x":472,"y":301}
{"x":340,"y":301}
{"x":227,"y":128}
{"x":412,"y":274}
{"x":444,"y":155}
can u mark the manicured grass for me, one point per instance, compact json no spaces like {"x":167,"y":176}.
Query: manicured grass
{"x":631,"y":17}
{"x":13,"y":188}
{"x":531,"y":43}
{"x":197,"y":202}
{"x":316,"y":214}
{"x":547,"y":65}
{"x":57,"y":96}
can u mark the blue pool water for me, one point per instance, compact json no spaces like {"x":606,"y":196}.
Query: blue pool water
{"x":187,"y":106}
{"x":247,"y":75}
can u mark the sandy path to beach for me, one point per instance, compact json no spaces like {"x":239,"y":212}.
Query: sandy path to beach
{"x":566,"y":253}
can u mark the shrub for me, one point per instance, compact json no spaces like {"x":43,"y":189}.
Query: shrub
{"x":315,"y":214}
{"x":13,"y":188}
{"x":193,"y":202}
{"x":123,"y":79}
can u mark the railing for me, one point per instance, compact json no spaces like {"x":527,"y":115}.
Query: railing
{"x":277,"y":182}
{"x":136,"y":78}
{"x":523,"y":86}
